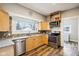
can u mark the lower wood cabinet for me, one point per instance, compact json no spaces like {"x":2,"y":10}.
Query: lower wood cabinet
{"x":45,"y":39}
{"x":7,"y":51}
{"x":29,"y":44}
{"x":36,"y":41}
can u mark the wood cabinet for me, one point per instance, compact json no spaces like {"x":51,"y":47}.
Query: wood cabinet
{"x":45,"y":39}
{"x":4,"y":21}
{"x":7,"y":51}
{"x":55,"y":19}
{"x":29,"y":44}
{"x":56,"y":16}
{"x":36,"y":41}
{"x":44,"y":25}
{"x":33,"y":42}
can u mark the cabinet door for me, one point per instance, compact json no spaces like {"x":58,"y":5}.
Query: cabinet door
{"x":29,"y":44}
{"x":45,"y":25}
{"x":38,"y":41}
{"x":35,"y":41}
{"x":4,"y":21}
{"x":7,"y":51}
{"x":45,"y":39}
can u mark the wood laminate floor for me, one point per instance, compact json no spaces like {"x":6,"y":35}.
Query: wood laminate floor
{"x":46,"y":51}
{"x":69,"y":49}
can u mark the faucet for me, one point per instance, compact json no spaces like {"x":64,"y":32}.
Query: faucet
{"x":29,"y":33}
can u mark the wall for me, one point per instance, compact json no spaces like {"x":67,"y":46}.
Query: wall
{"x":72,"y":22}
{"x":70,"y":13}
{"x":78,"y":33}
{"x":66,"y":14}
{"x":16,"y":9}
{"x":55,"y":29}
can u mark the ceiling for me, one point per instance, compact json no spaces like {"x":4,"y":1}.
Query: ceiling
{"x":47,"y":8}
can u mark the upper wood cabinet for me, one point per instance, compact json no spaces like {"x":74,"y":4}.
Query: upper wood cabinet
{"x":44,"y":25}
{"x":4,"y":21}
{"x":56,"y":16}
{"x":55,"y":19}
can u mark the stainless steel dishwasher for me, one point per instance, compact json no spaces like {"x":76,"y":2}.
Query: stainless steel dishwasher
{"x":19,"y":46}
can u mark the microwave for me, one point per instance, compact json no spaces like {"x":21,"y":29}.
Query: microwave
{"x":54,"y":24}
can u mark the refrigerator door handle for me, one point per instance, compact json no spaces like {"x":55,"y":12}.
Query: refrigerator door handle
{"x":69,"y":37}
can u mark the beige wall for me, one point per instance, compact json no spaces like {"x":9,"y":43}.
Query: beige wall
{"x":22,"y":11}
{"x":78,"y":33}
{"x":66,"y":14}
{"x":70,"y":13}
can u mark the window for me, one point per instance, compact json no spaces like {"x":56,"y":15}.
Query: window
{"x":24,"y":25}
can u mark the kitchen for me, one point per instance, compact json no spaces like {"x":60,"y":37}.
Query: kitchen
{"x":26,"y":30}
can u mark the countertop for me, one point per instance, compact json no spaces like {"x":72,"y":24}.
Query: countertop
{"x":7,"y":42}
{"x":4,"y":43}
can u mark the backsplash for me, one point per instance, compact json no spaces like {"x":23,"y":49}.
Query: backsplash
{"x":3,"y":35}
{"x":55,"y":29}
{"x":6,"y":35}
{"x":20,"y":27}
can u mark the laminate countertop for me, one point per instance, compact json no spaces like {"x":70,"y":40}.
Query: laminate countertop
{"x":4,"y":43}
{"x":7,"y":42}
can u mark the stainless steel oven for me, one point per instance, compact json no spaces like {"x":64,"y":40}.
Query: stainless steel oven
{"x":54,"y":40}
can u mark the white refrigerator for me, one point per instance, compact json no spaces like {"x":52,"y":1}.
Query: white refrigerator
{"x":69,"y":29}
